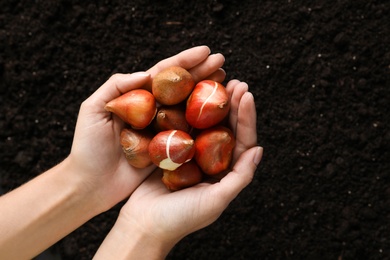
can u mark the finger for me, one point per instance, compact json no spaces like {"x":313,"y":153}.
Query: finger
{"x":246,"y":132}
{"x":118,"y":84}
{"x":237,"y":93}
{"x":211,"y":64}
{"x":219,"y":75}
{"x":230,"y":86}
{"x":186,"y":59}
{"x":240,"y":176}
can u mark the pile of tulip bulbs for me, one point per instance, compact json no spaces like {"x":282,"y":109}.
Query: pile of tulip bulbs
{"x":178,"y":126}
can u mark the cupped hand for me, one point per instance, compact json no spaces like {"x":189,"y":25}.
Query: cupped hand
{"x":96,"y":152}
{"x":169,"y":216}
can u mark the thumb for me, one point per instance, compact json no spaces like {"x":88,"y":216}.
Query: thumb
{"x":118,"y":84}
{"x":241,"y":175}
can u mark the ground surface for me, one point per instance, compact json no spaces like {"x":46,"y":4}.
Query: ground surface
{"x":319,"y":71}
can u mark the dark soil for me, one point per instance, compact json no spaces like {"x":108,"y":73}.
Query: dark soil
{"x":319,"y":71}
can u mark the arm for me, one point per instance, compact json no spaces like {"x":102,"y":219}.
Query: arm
{"x":95,"y":176}
{"x":37,"y":214}
{"x":154,"y":219}
{"x":42,"y":211}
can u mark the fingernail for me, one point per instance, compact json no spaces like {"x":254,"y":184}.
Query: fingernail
{"x":205,"y":46}
{"x":208,"y":49}
{"x":258,"y":155}
{"x":220,"y":55}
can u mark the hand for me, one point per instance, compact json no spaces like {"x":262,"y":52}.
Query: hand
{"x":96,"y":151}
{"x":166,"y":217}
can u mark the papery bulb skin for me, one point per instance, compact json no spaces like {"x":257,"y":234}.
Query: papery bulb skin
{"x":185,"y":176}
{"x":135,"y":145}
{"x":136,"y":107}
{"x":214,"y":149}
{"x":170,"y":149}
{"x":172,"y":85}
{"x":207,"y":105}
{"x":171,"y":118}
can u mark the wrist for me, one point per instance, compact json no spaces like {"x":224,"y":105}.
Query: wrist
{"x":83,"y":189}
{"x":129,"y":240}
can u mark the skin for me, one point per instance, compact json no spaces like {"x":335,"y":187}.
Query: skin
{"x":96,"y":176}
{"x":154,"y":219}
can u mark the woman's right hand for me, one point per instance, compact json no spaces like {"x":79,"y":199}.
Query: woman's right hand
{"x":154,"y":219}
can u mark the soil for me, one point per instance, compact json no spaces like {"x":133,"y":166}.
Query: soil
{"x":319,"y":71}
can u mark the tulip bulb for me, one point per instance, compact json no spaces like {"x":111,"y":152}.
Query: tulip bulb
{"x":135,"y":146}
{"x":214,"y":149}
{"x":171,"y":118}
{"x":172,"y":85}
{"x":170,"y":149}
{"x":207,"y":105}
{"x":136,"y":107}
{"x":185,"y":176}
